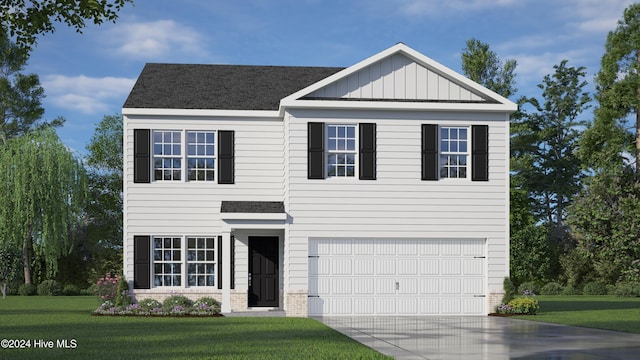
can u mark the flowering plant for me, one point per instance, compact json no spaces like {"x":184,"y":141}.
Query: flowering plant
{"x":107,"y":287}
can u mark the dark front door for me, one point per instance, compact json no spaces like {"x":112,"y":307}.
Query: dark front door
{"x":263,"y":271}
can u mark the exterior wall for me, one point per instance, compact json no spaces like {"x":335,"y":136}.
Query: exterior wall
{"x":396,"y":77}
{"x":193,"y":208}
{"x":398,"y":204}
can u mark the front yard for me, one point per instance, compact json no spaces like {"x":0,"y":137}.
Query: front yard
{"x":62,"y":327}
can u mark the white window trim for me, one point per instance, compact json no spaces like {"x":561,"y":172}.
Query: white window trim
{"x":467,"y":153}
{"x":356,"y":152}
{"x":184,"y":171}
{"x":184,"y":263}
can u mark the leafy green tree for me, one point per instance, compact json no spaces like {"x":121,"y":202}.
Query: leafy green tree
{"x":9,"y":265}
{"x":548,"y":139}
{"x":26,"y":22}
{"x":483,"y":66}
{"x":20,"y":94}
{"x":42,"y":192}
{"x":104,"y":208}
{"x":618,"y":94}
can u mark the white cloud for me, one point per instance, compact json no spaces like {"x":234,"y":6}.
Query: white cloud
{"x":85,"y":94}
{"x":421,"y":7}
{"x":156,"y":40}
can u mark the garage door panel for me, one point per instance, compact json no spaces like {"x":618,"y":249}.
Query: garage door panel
{"x":397,"y":277}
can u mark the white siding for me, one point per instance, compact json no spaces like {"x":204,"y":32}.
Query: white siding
{"x":193,"y":208}
{"x":396,"y":77}
{"x":398,"y":204}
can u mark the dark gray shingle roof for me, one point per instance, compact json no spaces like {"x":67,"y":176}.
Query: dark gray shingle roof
{"x":269,"y":207}
{"x":223,"y":87}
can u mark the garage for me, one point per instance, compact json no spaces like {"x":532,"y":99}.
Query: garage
{"x":397,"y":277}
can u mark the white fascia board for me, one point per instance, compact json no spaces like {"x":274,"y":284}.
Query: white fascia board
{"x":398,"y":106}
{"x":507,"y":105}
{"x":202,"y":112}
{"x":253,"y":216}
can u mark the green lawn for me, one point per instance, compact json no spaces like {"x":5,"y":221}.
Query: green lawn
{"x":105,"y":337}
{"x":602,"y":312}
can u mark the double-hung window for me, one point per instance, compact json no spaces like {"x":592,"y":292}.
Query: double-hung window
{"x":454,"y":152}
{"x":201,"y":156}
{"x":167,"y":155}
{"x":341,"y":150}
{"x":171,"y":255}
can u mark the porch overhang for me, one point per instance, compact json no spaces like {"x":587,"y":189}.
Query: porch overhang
{"x":259,"y":211}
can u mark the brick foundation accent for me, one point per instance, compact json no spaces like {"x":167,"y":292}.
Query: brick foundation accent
{"x":239,"y":300}
{"x":494,"y":299}
{"x":295,"y":304}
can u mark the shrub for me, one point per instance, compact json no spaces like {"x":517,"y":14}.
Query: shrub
{"x":71,"y":290}
{"x":123,"y":298}
{"x":207,"y":303}
{"x":552,"y":288}
{"x":528,"y":286}
{"x":509,"y":290}
{"x":107,"y":288}
{"x":595,"y":288}
{"x":27,"y":290}
{"x":149,"y":304}
{"x":627,"y":289}
{"x":176,"y":300}
{"x":49,"y":288}
{"x":524,"y":305}
{"x":570,"y":290}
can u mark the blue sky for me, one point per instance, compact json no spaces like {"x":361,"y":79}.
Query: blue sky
{"x":87,"y":76}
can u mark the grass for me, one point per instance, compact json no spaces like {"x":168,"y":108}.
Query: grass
{"x":601,"y":312}
{"x":106,"y":337}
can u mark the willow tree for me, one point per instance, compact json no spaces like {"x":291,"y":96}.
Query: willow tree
{"x":42,"y":192}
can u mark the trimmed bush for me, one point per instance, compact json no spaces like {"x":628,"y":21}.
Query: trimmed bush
{"x":552,"y":288}
{"x":595,"y":288}
{"x":71,"y":290}
{"x":570,"y":290}
{"x":530,"y":286}
{"x":28,"y":290}
{"x":207,"y":303}
{"x":627,"y":289}
{"x":509,"y":290}
{"x":172,"y":301}
{"x":149,"y":304}
{"x":524,"y":305}
{"x":123,"y":298}
{"x":49,"y":288}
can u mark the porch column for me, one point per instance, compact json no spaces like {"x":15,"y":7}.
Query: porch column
{"x":226,"y":272}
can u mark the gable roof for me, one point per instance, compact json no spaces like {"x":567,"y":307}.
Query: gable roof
{"x":220,"y":87}
{"x":399,"y":78}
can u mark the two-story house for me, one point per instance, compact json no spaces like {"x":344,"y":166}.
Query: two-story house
{"x":377,"y":189}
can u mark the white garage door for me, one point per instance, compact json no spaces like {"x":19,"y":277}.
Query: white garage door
{"x":396,"y":277}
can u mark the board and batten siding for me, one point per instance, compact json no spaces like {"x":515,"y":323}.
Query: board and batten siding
{"x":193,"y":208}
{"x":396,"y":77}
{"x":398,"y":204}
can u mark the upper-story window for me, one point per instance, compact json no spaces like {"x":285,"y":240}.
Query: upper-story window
{"x":167,"y":155}
{"x":341,"y":150}
{"x":454,"y":152}
{"x":201,"y":156}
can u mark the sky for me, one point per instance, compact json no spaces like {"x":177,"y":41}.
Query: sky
{"x":88,"y":76}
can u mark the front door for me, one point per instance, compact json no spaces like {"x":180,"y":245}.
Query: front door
{"x":263,"y":271}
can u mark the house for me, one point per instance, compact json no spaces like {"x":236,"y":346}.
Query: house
{"x":377,"y":189}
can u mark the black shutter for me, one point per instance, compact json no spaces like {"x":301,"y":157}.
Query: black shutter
{"x":367,"y":151}
{"x":429,"y":152}
{"x":233,"y":262}
{"x":142,"y":262}
{"x":480,"y":153}
{"x":141,"y":156}
{"x":219,"y":262}
{"x":315,"y":143}
{"x":226,"y":157}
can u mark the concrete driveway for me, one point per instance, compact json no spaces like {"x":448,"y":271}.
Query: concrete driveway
{"x":484,"y":337}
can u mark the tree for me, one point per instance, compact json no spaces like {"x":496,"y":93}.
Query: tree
{"x":27,"y":22}
{"x":547,"y":140}
{"x":9,"y":265}
{"x":618,"y":91}
{"x":42,"y":192}
{"x":104,"y":208}
{"x":20,"y":94}
{"x":483,"y":66}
